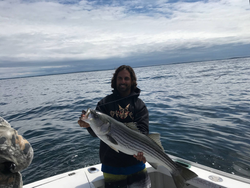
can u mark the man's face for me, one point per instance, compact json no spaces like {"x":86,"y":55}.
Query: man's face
{"x":123,"y":83}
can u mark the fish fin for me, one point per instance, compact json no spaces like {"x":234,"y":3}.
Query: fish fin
{"x":186,"y":173}
{"x":178,"y":180}
{"x":133,"y":126}
{"x":156,"y":138}
{"x":114,"y":149}
{"x":154,"y":165}
{"x":112,"y":140}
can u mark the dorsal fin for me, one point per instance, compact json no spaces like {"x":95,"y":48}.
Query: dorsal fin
{"x":156,"y":137}
{"x":133,"y":126}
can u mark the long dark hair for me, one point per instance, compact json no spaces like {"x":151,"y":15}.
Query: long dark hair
{"x":132,"y":75}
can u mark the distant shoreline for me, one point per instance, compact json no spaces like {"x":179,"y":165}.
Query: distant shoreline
{"x":132,"y":66}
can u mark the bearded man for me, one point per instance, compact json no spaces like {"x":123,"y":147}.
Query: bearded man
{"x":119,"y":169}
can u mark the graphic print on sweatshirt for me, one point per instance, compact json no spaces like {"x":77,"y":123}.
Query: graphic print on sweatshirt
{"x":122,"y":113}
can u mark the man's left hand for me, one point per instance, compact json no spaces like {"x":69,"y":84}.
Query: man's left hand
{"x":140,"y":157}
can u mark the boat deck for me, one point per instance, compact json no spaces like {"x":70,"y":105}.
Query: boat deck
{"x":92,"y":177}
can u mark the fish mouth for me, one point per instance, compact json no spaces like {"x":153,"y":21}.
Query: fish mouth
{"x":86,"y":115}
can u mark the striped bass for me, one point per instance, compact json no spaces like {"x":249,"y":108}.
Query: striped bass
{"x":129,"y":140}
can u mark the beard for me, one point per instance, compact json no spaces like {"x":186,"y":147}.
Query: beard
{"x":123,"y":88}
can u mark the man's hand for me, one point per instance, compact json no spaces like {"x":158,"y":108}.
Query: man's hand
{"x":140,"y":157}
{"x":83,"y":123}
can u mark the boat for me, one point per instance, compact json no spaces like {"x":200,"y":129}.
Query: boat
{"x":92,"y":177}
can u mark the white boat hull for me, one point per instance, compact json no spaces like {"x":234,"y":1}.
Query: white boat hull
{"x":92,"y":177}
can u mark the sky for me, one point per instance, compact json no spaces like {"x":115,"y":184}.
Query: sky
{"x":39,"y":37}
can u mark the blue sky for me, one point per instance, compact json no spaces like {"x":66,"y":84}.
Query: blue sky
{"x":40,"y":37}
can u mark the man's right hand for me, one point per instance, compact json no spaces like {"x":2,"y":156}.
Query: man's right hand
{"x":83,"y":123}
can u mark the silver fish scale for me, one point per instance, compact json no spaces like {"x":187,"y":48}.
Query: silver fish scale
{"x":135,"y":142}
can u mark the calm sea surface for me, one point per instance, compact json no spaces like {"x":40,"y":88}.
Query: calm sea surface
{"x":202,"y":111}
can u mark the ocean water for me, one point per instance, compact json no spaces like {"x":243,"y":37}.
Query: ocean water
{"x":201,"y":109}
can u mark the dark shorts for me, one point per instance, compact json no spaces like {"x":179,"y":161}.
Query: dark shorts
{"x":137,"y":180}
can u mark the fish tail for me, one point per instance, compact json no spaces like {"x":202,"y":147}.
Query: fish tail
{"x":178,"y":180}
{"x":182,"y":176}
{"x":186,"y":173}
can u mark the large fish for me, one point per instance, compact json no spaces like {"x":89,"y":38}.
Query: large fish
{"x":129,"y":140}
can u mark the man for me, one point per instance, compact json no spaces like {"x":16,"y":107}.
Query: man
{"x":16,"y":154}
{"x":119,"y":169}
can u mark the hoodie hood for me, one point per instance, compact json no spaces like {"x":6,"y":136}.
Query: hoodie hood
{"x":14,"y":148}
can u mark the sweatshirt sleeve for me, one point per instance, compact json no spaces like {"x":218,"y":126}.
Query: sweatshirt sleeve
{"x":142,"y":117}
{"x":91,"y":132}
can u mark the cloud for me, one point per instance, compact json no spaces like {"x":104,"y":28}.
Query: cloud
{"x":52,"y":31}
